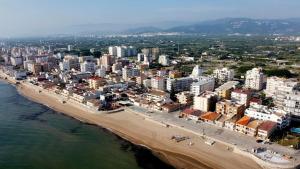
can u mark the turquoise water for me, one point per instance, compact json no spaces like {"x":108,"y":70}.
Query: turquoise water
{"x":32,"y":136}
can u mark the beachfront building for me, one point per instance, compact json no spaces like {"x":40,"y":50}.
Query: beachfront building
{"x":241,"y":124}
{"x":210,"y":117}
{"x":158,"y":83}
{"x":170,"y":107}
{"x":224,"y":74}
{"x":205,"y":102}
{"x":230,"y":108}
{"x":224,"y":91}
{"x":266,"y":129}
{"x":35,"y":68}
{"x":231,"y":122}
{"x":179,"y":84}
{"x":264,"y":113}
{"x":254,"y":79}
{"x":191,"y":114}
{"x":241,"y":96}
{"x":185,"y":98}
{"x":252,"y":126}
{"x":203,"y":84}
{"x":157,"y":96}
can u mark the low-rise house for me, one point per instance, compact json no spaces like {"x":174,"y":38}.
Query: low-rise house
{"x":93,"y":104}
{"x":264,"y":113}
{"x":210,"y":117}
{"x":266,"y":129}
{"x":66,"y":93}
{"x":231,"y":122}
{"x":157,"y":96}
{"x":170,"y":107}
{"x":221,"y":120}
{"x":191,"y":114}
{"x":241,"y":125}
{"x":252,"y":127}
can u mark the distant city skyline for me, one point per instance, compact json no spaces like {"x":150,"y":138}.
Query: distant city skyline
{"x":43,"y":17}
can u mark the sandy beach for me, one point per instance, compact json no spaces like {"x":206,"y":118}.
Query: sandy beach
{"x":139,"y":130}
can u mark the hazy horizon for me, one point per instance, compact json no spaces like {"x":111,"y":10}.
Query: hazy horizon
{"x":46,"y":17}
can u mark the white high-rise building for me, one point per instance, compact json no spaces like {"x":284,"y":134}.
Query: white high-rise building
{"x":197,"y":72}
{"x":112,"y":50}
{"x":224,"y":74}
{"x":121,"y":51}
{"x":16,"y":61}
{"x":88,"y":67}
{"x":101,"y":72}
{"x":140,"y":57}
{"x":158,"y":83}
{"x":164,"y":60}
{"x":179,"y":84}
{"x":254,"y":79}
{"x":204,"y":102}
{"x":70,"y":62}
{"x":203,"y":84}
{"x":241,"y":96}
{"x":291,"y":104}
{"x":276,"y":84}
{"x":70,"y":47}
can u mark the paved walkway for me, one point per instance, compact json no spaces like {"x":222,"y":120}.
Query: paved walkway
{"x":226,"y":136}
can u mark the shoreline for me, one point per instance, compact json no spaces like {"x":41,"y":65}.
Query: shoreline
{"x":178,"y":155}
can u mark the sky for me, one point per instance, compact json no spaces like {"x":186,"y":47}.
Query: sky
{"x":38,"y":17}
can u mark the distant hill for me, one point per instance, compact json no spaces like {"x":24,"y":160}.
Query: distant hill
{"x":234,"y":26}
{"x":141,"y":30}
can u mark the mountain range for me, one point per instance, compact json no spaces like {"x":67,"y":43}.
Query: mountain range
{"x":231,"y":26}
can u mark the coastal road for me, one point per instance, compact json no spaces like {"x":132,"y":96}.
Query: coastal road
{"x":226,"y":136}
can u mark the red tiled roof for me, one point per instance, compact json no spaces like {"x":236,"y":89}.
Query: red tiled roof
{"x":188,"y":111}
{"x":267,"y":125}
{"x":210,"y":116}
{"x":244,"y":121}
